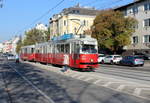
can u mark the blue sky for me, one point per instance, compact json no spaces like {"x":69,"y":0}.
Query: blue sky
{"x":17,"y":15}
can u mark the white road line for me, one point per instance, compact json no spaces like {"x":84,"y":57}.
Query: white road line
{"x":80,"y":77}
{"x":97,"y":81}
{"x":137,"y":91}
{"x":36,"y":88}
{"x":108,"y":83}
{"x":74,"y":75}
{"x":88,"y":79}
{"x":121,"y":87}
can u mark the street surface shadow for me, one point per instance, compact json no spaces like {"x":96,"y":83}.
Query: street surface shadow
{"x":60,"y":88}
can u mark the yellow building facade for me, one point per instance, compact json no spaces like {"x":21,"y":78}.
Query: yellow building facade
{"x":75,"y":20}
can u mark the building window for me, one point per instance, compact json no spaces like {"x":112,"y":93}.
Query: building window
{"x":65,"y":23}
{"x":146,"y":39}
{"x":146,"y":22}
{"x":75,"y":11}
{"x":125,"y":13}
{"x":147,"y":7}
{"x":135,"y":10}
{"x":135,"y":39}
{"x":84,"y":23}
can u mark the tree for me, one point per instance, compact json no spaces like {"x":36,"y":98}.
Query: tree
{"x":19,"y":45}
{"x":113,"y":30}
{"x":34,"y":36}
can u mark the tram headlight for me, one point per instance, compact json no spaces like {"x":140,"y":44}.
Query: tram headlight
{"x":92,"y":60}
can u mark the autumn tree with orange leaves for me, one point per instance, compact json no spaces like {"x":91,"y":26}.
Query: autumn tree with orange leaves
{"x":112,"y":30}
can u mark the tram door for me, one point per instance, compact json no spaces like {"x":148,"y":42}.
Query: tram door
{"x":75,"y":54}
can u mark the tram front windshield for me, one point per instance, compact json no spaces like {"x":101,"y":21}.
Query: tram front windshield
{"x":88,"y":49}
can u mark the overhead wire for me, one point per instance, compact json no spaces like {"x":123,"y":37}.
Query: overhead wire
{"x":1,"y":3}
{"x":39,"y":18}
{"x":110,"y":4}
{"x":91,"y":2}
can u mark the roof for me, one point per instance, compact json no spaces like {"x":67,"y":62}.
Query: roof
{"x":130,"y":4}
{"x":80,"y":10}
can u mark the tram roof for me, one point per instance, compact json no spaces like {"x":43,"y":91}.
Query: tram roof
{"x":41,"y":44}
{"x":29,"y":46}
{"x":75,"y":38}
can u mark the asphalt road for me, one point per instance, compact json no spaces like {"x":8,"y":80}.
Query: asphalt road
{"x":25,"y":83}
{"x":137,"y":74}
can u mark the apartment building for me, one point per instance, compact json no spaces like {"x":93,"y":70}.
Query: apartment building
{"x":74,"y":20}
{"x":1,"y":47}
{"x":140,"y":10}
{"x":9,"y":46}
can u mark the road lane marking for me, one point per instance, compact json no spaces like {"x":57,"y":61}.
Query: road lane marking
{"x":88,"y":79}
{"x":75,"y":75}
{"x":121,"y":87}
{"x":106,"y":85}
{"x":80,"y":77}
{"x":97,"y":81}
{"x":138,"y":91}
{"x":36,"y":88}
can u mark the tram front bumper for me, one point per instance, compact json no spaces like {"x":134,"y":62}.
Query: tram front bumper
{"x":89,"y":65}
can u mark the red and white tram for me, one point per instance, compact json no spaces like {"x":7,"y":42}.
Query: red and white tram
{"x":28,"y":53}
{"x":82,"y":51}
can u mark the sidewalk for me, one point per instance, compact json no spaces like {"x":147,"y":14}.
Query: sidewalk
{"x":147,"y":64}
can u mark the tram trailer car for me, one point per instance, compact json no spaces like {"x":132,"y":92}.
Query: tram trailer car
{"x":41,"y":54}
{"x":28,"y":53}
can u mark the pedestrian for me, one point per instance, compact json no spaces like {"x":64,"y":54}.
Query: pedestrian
{"x":17,"y":58}
{"x":65,"y":63}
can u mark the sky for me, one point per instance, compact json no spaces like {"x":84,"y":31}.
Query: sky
{"x":16,"y":16}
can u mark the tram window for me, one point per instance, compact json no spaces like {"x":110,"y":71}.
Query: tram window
{"x":48,"y":48}
{"x":41,"y":51}
{"x":76,"y":48}
{"x":58,"y":49}
{"x":62,"y":48}
{"x":67,"y":48}
{"x":44,"y":51}
{"x":53,"y":50}
{"x":72,"y":48}
{"x":32,"y":50}
{"x":89,"y":49}
{"x":38,"y":50}
{"x":25,"y":50}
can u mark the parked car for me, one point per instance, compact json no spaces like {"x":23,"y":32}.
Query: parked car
{"x":145,"y":56}
{"x":101,"y":58}
{"x":11,"y":57}
{"x":132,"y":61}
{"x":112,"y":59}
